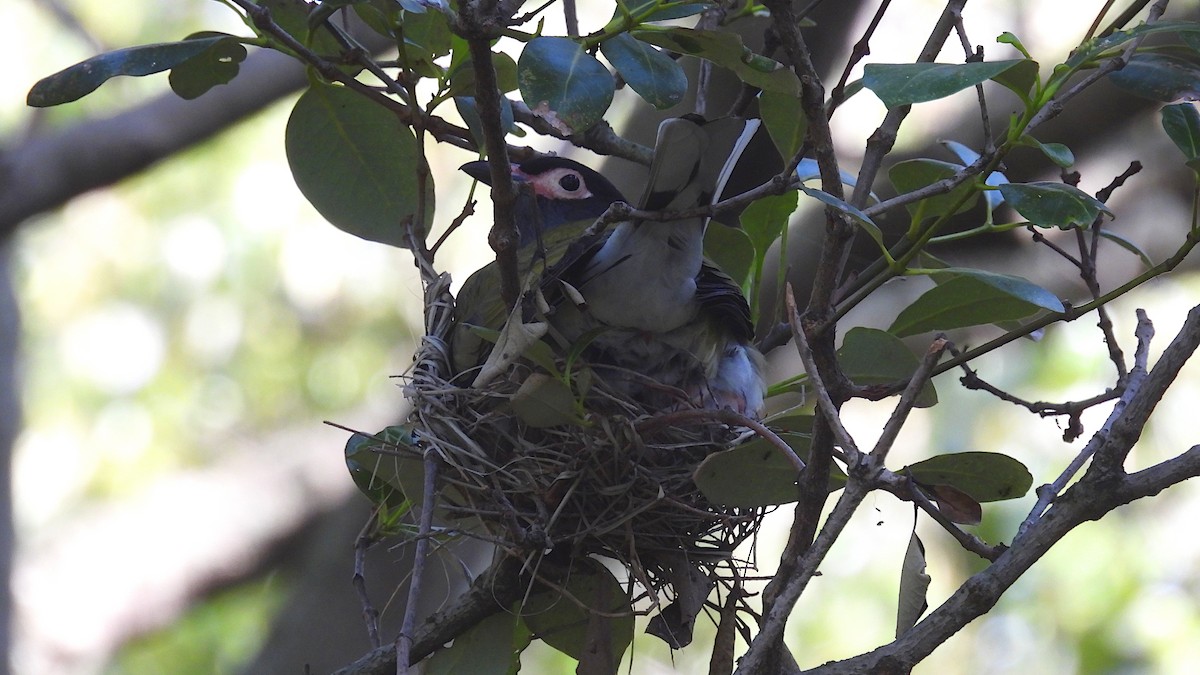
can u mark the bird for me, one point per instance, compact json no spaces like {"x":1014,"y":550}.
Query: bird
{"x":666,"y":312}
{"x":659,"y":319}
{"x":564,"y":198}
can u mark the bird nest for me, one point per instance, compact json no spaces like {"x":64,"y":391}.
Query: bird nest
{"x":618,"y":483}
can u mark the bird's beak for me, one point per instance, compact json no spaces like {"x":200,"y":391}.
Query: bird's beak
{"x":478,"y":170}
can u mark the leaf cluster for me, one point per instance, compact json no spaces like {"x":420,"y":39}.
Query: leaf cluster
{"x":357,"y":143}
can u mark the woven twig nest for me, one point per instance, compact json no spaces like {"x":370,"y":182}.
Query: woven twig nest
{"x":618,"y":483}
{"x":614,"y":479}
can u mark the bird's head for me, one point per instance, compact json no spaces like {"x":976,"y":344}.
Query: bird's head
{"x":565,"y":192}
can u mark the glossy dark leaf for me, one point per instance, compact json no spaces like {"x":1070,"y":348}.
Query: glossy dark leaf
{"x":563,"y":84}
{"x":870,"y":356}
{"x":293,"y":17}
{"x":984,"y":476}
{"x":1128,"y":246}
{"x":992,"y":198}
{"x":756,"y":473}
{"x":380,"y":470}
{"x":731,"y":250}
{"x":462,"y":75}
{"x":1049,"y":204}
{"x":355,"y":162}
{"x":470,"y":114}
{"x":915,"y":174}
{"x":429,"y":30}
{"x":83,"y":78}
{"x":861,"y":219}
{"x":1181,"y":121}
{"x":898,"y":84}
{"x":1055,"y":152}
{"x":765,"y":219}
{"x":564,"y":625}
{"x":786,"y":124}
{"x":726,"y":50}
{"x":809,"y":170}
{"x":1097,"y":47}
{"x":1159,"y":77}
{"x":216,"y":65}
{"x":753,"y":474}
{"x":965,"y":297}
{"x":1020,"y":79}
{"x":671,"y":11}
{"x":491,"y":647}
{"x":656,"y":77}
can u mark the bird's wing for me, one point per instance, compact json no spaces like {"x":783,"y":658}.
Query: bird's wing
{"x":479,"y":302}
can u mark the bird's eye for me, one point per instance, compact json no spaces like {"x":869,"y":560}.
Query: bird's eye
{"x":569,"y":182}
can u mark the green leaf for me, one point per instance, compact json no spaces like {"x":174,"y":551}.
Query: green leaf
{"x":563,"y":624}
{"x":992,"y":198}
{"x":808,"y":169}
{"x":757,"y":474}
{"x":216,"y":65}
{"x":731,"y":250}
{"x":872,"y":357}
{"x":380,"y":472}
{"x":671,"y":10}
{"x":1181,"y":121}
{"x":1050,"y":204}
{"x":470,"y":114}
{"x":966,"y":297}
{"x":462,"y":75}
{"x":914,"y":584}
{"x":863,"y":220}
{"x":1159,"y":77}
{"x":725,"y":50}
{"x":1128,"y":246}
{"x":1191,"y":39}
{"x":544,"y":401}
{"x":1055,"y":152}
{"x":984,"y":476}
{"x":428,"y":30}
{"x":563,"y":84}
{"x":656,"y":77}
{"x":1020,"y":79}
{"x":765,"y":219}
{"x":898,"y":84}
{"x":355,"y":162}
{"x":293,"y":17}
{"x":915,"y":174}
{"x":491,"y":647}
{"x":1093,"y":49}
{"x":81,"y":79}
{"x":785,"y":123}
{"x":1007,"y":38}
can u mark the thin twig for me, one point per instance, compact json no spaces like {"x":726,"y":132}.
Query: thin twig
{"x":861,"y":50}
{"x":1048,"y":493}
{"x":824,"y":401}
{"x":725,"y":416}
{"x":404,"y":641}
{"x":968,"y":541}
{"x":362,"y":543}
{"x":908,"y":399}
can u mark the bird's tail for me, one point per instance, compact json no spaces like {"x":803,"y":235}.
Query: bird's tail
{"x":693,"y":159}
